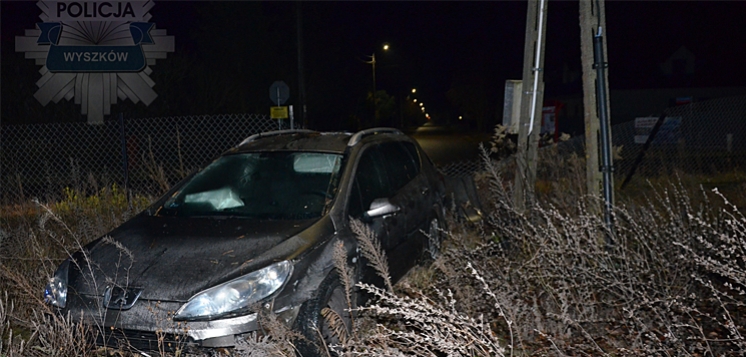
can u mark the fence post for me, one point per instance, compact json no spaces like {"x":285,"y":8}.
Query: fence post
{"x":125,"y":160}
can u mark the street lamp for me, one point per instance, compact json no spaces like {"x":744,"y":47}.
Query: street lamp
{"x":372,"y":62}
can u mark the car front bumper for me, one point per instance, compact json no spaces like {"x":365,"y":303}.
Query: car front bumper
{"x":148,"y":320}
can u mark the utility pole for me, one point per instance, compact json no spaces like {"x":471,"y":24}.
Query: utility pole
{"x":373,"y":63}
{"x":532,"y":100}
{"x":303,"y":118}
{"x":592,"y":18}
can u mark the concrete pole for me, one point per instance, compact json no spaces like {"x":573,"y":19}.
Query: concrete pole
{"x":588,"y":24}
{"x":537,"y":105}
{"x":532,"y":100}
{"x":302,"y":117}
{"x":592,"y":16}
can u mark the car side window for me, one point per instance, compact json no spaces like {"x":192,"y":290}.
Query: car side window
{"x":401,"y":166}
{"x":370,"y":182}
{"x":412,"y":151}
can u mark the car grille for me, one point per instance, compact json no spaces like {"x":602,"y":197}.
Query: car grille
{"x":141,"y":340}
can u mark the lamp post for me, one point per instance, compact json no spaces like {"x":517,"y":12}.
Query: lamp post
{"x":372,"y":62}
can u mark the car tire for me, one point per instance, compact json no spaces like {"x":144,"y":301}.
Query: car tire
{"x":318,"y":334}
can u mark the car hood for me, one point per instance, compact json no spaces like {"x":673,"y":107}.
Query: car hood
{"x":172,"y":258}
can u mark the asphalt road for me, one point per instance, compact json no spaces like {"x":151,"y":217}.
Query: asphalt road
{"x":446,"y":145}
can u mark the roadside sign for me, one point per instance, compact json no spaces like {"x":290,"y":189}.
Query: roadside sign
{"x":278,"y":112}
{"x":512,"y":105}
{"x":669,"y":132}
{"x":279,"y":92}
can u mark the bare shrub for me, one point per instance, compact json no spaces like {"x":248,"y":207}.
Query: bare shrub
{"x":37,"y":237}
{"x":276,"y":339}
{"x":399,"y":325}
{"x":256,"y":345}
{"x":10,"y":345}
{"x":545,"y":283}
{"x":424,"y":327}
{"x":371,"y":249}
{"x":59,"y":336}
{"x":672,"y":282}
{"x":567,"y":294}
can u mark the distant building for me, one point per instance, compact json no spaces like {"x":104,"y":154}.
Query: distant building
{"x":681,"y":63}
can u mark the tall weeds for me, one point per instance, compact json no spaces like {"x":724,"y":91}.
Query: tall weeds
{"x":673,"y":283}
{"x":37,"y":237}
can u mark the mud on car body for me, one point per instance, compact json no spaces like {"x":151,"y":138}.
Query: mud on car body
{"x":255,"y":231}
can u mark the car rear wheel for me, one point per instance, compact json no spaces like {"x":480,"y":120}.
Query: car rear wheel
{"x":325,"y":319}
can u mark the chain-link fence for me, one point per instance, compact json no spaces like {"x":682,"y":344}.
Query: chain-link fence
{"x":39,"y":160}
{"x":462,"y":168}
{"x":704,"y":138}
{"x":700,"y":139}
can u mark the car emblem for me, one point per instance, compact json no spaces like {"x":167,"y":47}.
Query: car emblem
{"x":116,"y":297}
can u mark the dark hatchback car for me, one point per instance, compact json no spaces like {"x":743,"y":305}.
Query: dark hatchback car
{"x":254,"y":231}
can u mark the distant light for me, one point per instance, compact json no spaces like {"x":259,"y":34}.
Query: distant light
{"x":422,"y":104}
{"x":414,"y":100}
{"x":423,"y":109}
{"x":460,"y":117}
{"x":385,"y":46}
{"x":414,"y":90}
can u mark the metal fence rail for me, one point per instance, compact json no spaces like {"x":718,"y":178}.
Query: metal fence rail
{"x":39,"y":160}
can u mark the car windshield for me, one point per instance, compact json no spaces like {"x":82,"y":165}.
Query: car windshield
{"x":264,"y":185}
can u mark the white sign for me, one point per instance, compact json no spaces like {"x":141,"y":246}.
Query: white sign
{"x":512,"y":105}
{"x":668,"y":133}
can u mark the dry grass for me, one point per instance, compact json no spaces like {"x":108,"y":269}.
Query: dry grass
{"x":36,"y":238}
{"x":535,"y":284}
{"x":672,"y":282}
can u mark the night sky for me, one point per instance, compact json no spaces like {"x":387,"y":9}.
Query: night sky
{"x":457,"y":54}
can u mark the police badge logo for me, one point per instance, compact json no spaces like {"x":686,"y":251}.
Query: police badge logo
{"x":95,"y":53}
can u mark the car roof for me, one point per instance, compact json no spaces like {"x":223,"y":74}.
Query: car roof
{"x":309,"y":140}
{"x":296,"y":140}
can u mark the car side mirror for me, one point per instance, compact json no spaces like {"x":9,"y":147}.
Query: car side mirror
{"x":381,"y":207}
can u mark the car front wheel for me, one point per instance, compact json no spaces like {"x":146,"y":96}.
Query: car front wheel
{"x":325,"y":320}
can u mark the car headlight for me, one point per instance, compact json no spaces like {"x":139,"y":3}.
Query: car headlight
{"x":55,"y":292}
{"x":237,"y":294}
